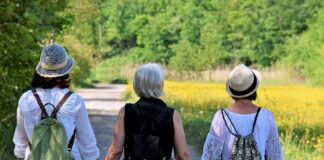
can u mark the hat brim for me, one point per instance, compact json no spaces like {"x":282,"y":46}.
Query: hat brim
{"x":56,"y":73}
{"x":258,"y":78}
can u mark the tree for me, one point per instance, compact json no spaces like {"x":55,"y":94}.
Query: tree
{"x":306,"y":52}
{"x":24,"y":27}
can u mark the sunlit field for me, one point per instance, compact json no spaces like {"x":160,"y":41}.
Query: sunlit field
{"x":298,"y":111}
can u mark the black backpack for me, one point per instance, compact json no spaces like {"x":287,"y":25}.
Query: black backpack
{"x":146,"y":142}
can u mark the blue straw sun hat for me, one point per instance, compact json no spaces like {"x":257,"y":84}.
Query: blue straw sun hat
{"x":54,"y":61}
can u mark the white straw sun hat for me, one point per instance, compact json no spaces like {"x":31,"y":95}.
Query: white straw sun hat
{"x":54,"y":61}
{"x":242,"y":81}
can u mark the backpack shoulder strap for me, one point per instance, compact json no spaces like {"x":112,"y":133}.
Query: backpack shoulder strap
{"x":40,"y":104}
{"x":53,"y":115}
{"x":255,"y":119}
{"x":58,"y":107}
{"x":71,"y":142}
{"x":236,"y":133}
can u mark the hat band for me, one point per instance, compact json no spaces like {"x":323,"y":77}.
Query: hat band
{"x":247,"y":91}
{"x":53,"y":67}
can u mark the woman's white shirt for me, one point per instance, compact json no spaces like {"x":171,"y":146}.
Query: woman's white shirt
{"x":219,"y":140}
{"x":73,"y":115}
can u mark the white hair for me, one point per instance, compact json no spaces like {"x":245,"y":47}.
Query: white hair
{"x":148,"y":81}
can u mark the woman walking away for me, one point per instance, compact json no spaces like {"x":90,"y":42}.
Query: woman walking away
{"x":243,"y":130}
{"x":52,"y":121}
{"x":148,"y":129}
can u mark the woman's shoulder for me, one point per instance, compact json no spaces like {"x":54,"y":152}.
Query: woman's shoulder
{"x":217,"y":126}
{"x":218,"y":113}
{"x":266,"y":112}
{"x":267,"y":115}
{"x":25,"y":100}
{"x":25,"y":96}
{"x":218,"y":117}
{"x":74,"y":97}
{"x":170,"y":109}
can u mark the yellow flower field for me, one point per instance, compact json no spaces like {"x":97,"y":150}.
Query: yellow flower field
{"x":298,"y":110}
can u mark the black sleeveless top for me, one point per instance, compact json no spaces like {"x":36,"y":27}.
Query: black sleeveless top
{"x":138,"y":113}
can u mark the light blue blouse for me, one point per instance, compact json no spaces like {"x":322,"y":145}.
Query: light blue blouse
{"x":219,"y":140}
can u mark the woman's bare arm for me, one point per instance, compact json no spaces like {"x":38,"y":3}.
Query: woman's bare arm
{"x":116,"y":149}
{"x":180,"y":144}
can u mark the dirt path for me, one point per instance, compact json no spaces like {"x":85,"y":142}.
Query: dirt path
{"x":103,"y":103}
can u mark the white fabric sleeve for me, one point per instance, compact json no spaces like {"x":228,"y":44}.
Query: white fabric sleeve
{"x":273,"y":146}
{"x":20,"y":137}
{"x":214,"y":142}
{"x":85,"y":136}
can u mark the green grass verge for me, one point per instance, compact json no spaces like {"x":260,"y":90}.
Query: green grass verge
{"x":109,"y":71}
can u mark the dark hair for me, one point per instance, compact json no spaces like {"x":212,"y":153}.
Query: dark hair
{"x":251,"y":97}
{"x":46,"y":82}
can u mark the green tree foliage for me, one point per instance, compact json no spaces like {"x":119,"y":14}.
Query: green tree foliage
{"x":88,"y":25}
{"x":83,"y":55}
{"x":306,"y":52}
{"x":226,"y":31}
{"x":24,"y":26}
{"x":143,"y":27}
{"x":250,"y":31}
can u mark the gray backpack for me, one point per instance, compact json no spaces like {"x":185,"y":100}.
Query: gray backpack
{"x":243,"y":147}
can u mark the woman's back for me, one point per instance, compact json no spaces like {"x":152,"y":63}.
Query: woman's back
{"x":243,"y":130}
{"x":148,"y":117}
{"x":72,"y":115}
{"x":148,"y":129}
{"x":244,"y":123}
{"x":221,"y":139}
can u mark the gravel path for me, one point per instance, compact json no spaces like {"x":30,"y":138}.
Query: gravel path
{"x":103,"y":103}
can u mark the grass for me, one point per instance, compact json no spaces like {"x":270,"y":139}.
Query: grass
{"x":298,"y":110}
{"x":119,"y":69}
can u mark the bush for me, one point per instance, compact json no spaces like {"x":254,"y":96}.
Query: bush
{"x":109,"y":71}
{"x":22,"y":30}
